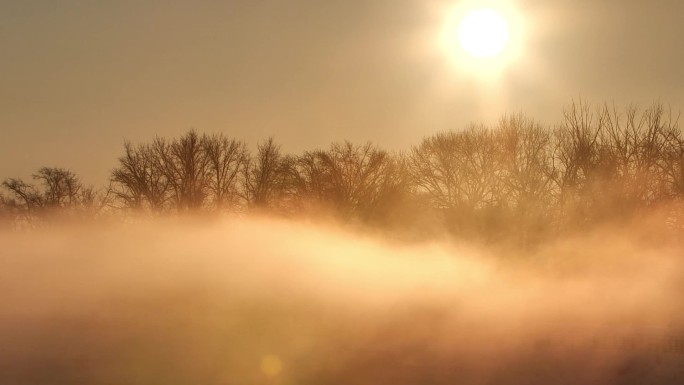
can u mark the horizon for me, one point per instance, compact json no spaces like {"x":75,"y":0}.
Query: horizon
{"x":103,"y":175}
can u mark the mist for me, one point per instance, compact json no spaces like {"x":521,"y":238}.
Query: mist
{"x":372,"y":192}
{"x":263,"y":300}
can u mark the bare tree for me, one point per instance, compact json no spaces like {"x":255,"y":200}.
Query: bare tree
{"x":457,"y":169}
{"x":225,"y":161}
{"x":577,"y":147}
{"x":266,"y":176}
{"x":190,"y":173}
{"x":673,"y":162}
{"x":61,"y":193}
{"x":637,"y":149}
{"x":25,"y":196}
{"x":526,"y":174}
{"x":61,"y":188}
{"x":139,"y":183}
{"x":610,"y":164}
{"x":577,"y":162}
{"x":526,"y":162}
{"x":354,"y":180}
{"x":597,"y":164}
{"x":185,"y":166}
{"x":8,"y":214}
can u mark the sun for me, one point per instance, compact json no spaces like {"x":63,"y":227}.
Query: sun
{"x":483,"y":33}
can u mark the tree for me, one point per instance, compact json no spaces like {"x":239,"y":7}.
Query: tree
{"x":186,"y":174}
{"x":610,"y":164}
{"x":8,"y":214}
{"x":355,"y":181}
{"x":225,"y":161}
{"x":139,"y":182}
{"x":266,"y":177}
{"x":526,"y":162}
{"x":459,"y":173}
{"x":638,"y":148}
{"x":526,"y":174}
{"x":61,"y":192}
{"x":673,"y":163}
{"x":185,"y":167}
{"x":577,"y":159}
{"x":457,"y":169}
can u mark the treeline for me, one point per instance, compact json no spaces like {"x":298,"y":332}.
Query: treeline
{"x":517,"y":179}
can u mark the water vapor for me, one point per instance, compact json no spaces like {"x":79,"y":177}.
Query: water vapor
{"x":271,"y":301}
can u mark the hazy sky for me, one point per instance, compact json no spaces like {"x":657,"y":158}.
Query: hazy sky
{"x":77,"y":77}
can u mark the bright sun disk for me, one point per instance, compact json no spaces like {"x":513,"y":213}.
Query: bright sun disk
{"x":483,"y":33}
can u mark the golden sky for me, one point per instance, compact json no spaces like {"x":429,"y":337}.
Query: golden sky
{"x":77,"y":77}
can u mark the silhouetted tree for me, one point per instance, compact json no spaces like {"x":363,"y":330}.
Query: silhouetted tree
{"x":266,"y":177}
{"x":577,"y":160}
{"x":673,"y":163}
{"x":139,"y":182}
{"x":518,"y":179}
{"x":458,"y":172}
{"x":637,"y":148}
{"x":225,"y":161}
{"x":526,"y":173}
{"x":457,"y":169}
{"x":60,"y":191}
{"x":611,"y":164}
{"x":190,"y":173}
{"x":526,"y":161}
{"x":355,"y":181}
{"x":8,"y":215}
{"x":25,"y":196}
{"x":185,"y":166}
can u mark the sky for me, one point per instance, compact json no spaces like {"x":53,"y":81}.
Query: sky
{"x":78,"y":77}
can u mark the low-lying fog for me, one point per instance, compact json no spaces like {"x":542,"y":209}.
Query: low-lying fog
{"x":266,"y":301}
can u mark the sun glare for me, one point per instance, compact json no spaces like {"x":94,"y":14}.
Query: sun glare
{"x":483,"y":33}
{"x":482,"y":38}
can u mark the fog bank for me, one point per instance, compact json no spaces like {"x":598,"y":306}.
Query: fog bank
{"x":266,"y":301}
